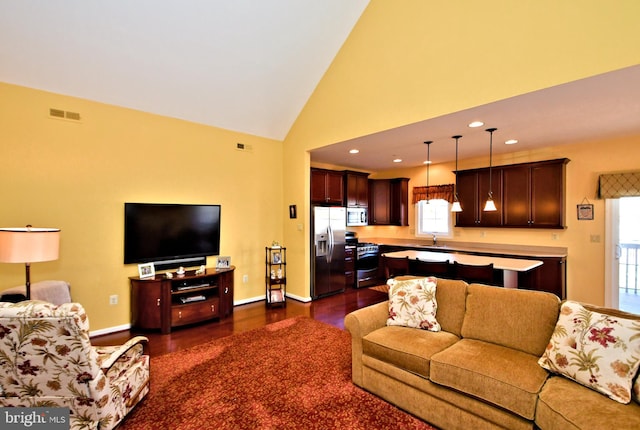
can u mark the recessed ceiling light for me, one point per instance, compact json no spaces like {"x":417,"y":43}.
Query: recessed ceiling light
{"x":354,"y":151}
{"x":397,"y":160}
{"x":511,"y":141}
{"x":475,"y":124}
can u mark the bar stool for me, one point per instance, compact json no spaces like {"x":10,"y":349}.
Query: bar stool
{"x":473,"y":274}
{"x":439,"y":269}
{"x":395,"y":266}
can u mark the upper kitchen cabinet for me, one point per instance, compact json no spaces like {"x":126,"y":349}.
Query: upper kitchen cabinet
{"x":357,"y":189}
{"x":327,"y":187}
{"x":533,"y":194}
{"x":526,"y":195}
{"x":389,"y":201}
{"x":473,"y":191}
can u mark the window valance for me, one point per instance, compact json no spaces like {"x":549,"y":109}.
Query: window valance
{"x":616,"y":185}
{"x":444,"y":192}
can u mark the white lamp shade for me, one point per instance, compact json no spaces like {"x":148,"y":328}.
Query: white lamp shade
{"x":29,"y":245}
{"x":455,"y":207}
{"x":490,"y":206}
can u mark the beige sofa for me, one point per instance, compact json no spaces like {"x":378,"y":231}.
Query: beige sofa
{"x":481,"y":369}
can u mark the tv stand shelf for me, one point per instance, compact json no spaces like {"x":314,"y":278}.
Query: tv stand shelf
{"x":163,"y":303}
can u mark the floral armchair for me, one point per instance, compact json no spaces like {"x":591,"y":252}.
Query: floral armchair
{"x":47,"y":360}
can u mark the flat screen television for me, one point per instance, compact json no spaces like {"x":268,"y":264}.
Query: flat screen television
{"x":160,"y":232}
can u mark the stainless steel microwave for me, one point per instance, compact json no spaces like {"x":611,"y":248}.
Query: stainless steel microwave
{"x":357,"y":216}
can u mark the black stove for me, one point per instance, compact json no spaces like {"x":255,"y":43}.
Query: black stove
{"x":366,"y":249}
{"x":366,"y":264}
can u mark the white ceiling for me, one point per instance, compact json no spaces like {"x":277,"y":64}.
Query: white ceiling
{"x":600,"y":107}
{"x":251,"y":65}
{"x":243,"y":65}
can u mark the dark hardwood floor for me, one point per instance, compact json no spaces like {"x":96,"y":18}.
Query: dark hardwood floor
{"x":331,"y":310}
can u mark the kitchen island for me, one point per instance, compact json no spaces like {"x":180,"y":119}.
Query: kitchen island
{"x":509,"y":266}
{"x":550,"y":276}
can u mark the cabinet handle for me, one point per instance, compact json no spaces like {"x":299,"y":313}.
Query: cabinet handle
{"x":226,"y":290}
{"x":213,"y":308}
{"x":158,"y":302}
{"x":180,"y":314}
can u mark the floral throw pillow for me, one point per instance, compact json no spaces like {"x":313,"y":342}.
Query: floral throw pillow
{"x":599,"y":351}
{"x":412,"y":303}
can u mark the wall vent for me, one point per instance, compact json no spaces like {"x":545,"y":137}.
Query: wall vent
{"x":57,"y":113}
{"x":244,"y":147}
{"x":72,"y":115}
{"x":62,"y":114}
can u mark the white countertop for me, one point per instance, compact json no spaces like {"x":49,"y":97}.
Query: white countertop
{"x":488,"y":248}
{"x":501,"y":263}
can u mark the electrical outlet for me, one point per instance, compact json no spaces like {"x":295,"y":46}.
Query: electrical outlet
{"x":483,"y":234}
{"x":595,"y":238}
{"x":113,"y":299}
{"x":554,"y":236}
{"x":245,"y":279}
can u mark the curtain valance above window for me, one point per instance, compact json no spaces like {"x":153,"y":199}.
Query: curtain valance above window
{"x":444,"y":192}
{"x":616,"y":185}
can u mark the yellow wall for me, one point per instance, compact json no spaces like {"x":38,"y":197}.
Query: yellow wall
{"x":411,"y":60}
{"x":77,"y":176}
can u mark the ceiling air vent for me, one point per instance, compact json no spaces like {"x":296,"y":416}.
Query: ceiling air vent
{"x":61,"y":114}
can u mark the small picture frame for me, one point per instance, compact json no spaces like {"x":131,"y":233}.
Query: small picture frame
{"x":146,"y":270}
{"x":585,"y":211}
{"x":293,"y":211}
{"x":223,"y":262}
{"x":276,"y":258}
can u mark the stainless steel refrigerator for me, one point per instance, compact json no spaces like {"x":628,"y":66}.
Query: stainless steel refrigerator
{"x":327,"y":264}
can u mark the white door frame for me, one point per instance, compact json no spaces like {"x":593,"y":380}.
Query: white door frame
{"x":612,"y":254}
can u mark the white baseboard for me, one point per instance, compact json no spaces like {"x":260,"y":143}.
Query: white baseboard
{"x":109,"y":330}
{"x":263,"y":298}
{"x":299,"y":298}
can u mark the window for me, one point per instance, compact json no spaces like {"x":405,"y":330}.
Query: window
{"x":433,"y":217}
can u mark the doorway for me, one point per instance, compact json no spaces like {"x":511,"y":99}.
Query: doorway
{"x":622,"y":265}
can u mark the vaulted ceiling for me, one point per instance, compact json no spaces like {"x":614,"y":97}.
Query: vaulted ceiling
{"x":242,"y":65}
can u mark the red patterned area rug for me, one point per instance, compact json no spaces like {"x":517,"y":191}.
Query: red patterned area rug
{"x":293,"y":374}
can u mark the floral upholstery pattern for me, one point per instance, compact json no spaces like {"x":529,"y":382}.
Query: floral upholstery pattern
{"x":597,"y":350}
{"x":412,"y":303}
{"x":47,"y":360}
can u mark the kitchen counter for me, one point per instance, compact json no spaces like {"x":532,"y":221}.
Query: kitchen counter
{"x":551,"y":276}
{"x":472,"y":247}
{"x":509,"y":266}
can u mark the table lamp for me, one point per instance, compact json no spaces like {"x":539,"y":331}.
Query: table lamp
{"x":29,"y":245}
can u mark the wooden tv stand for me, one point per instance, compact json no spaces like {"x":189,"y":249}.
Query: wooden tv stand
{"x":165,"y":303}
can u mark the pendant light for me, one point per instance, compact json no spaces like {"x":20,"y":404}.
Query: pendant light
{"x":428,"y":143}
{"x":490,"y":206}
{"x":455,"y":207}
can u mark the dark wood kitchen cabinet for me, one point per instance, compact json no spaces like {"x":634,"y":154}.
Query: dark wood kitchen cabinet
{"x":350,"y":266}
{"x":389,"y":201}
{"x":356,"y":189}
{"x":533,"y":194}
{"x":400,"y":201}
{"x":526,"y":195}
{"x":379,"y":202}
{"x":327,"y":187}
{"x":473,"y":191}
